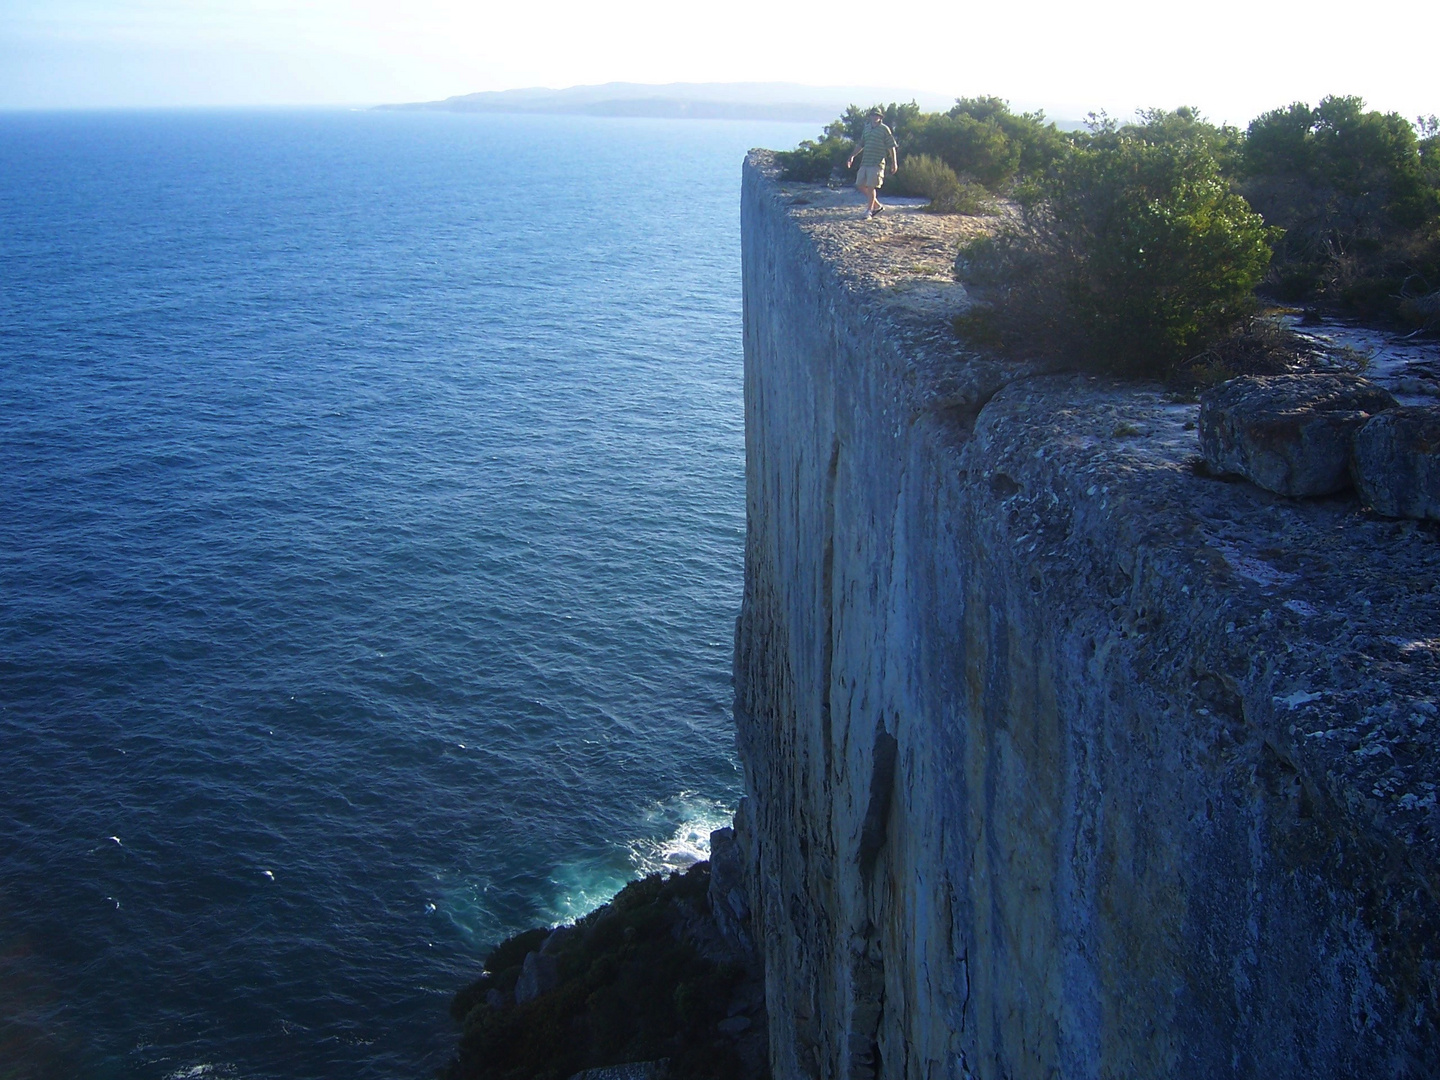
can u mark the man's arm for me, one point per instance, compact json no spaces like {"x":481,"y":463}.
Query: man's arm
{"x":894,"y":159}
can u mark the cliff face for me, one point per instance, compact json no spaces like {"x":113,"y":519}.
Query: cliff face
{"x":1062,"y":759}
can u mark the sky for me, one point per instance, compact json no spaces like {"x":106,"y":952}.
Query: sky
{"x":1231,"y":58}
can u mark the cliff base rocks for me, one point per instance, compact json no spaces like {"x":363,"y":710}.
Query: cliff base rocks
{"x":644,"y":988}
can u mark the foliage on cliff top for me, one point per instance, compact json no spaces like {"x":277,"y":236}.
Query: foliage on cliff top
{"x":979,"y":139}
{"x":930,"y":178}
{"x":1132,"y":252}
{"x":1358,"y":194}
{"x":630,"y":989}
{"x":1356,"y":191}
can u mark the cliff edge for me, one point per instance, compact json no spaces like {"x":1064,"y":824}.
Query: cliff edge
{"x":1062,"y":758}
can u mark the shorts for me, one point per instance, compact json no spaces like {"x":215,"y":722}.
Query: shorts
{"x":870,"y":176}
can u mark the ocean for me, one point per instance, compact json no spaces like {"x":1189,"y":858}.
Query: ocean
{"x":371,"y":529}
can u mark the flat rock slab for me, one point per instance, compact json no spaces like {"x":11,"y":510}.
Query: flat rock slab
{"x":1290,"y":434}
{"x":1397,"y":462}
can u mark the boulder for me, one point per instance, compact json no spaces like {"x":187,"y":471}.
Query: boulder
{"x":1290,"y":434}
{"x":539,"y":975}
{"x":1396,"y":463}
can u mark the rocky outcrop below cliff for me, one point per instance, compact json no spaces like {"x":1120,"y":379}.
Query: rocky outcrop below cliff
{"x":661,"y":983}
{"x":1064,"y":756}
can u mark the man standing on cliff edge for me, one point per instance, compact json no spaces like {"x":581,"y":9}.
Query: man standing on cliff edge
{"x":877,"y":145}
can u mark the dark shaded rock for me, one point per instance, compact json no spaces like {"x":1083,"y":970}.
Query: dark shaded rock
{"x":733,"y":1025}
{"x":539,"y":975}
{"x":1396,"y":462}
{"x":728,"y":906}
{"x":1290,"y":434}
{"x":643,"y":979}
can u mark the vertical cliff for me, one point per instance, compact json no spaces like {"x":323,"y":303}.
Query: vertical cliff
{"x":1062,"y":759}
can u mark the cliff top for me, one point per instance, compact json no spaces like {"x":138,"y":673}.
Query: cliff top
{"x":1319,"y":621}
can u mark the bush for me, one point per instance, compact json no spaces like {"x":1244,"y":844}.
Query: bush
{"x":982,"y":139}
{"x":813,"y":162}
{"x":1358,"y":194}
{"x":1132,"y":254}
{"x":930,"y":178}
{"x":1256,"y":346}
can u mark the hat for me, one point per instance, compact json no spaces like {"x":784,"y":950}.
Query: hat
{"x":878,"y":113}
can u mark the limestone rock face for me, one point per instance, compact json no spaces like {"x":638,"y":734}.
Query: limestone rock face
{"x":1397,"y":462}
{"x":1061,"y":759}
{"x":1290,"y":434}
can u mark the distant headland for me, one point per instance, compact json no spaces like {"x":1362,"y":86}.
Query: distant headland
{"x":687,"y":101}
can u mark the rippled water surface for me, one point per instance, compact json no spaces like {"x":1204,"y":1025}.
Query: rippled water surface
{"x":370,"y":539}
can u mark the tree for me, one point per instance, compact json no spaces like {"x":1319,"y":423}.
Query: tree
{"x":1133,"y":254}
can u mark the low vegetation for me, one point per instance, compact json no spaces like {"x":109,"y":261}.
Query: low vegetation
{"x":980,"y":140}
{"x":930,"y":178}
{"x":1146,"y":248}
{"x":1131,"y":254}
{"x":1358,"y":195}
{"x":630,"y":987}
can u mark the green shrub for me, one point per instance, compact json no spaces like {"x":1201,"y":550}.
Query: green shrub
{"x":813,"y":161}
{"x":1132,"y":254}
{"x":982,"y":139}
{"x":898,"y":117}
{"x":1358,"y":194}
{"x":930,"y":178}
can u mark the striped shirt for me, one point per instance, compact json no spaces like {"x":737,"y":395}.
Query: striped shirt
{"x":876,"y":144}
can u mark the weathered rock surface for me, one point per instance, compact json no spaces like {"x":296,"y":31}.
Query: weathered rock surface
{"x":1397,"y":463}
{"x":1063,"y":759}
{"x":1290,"y":434}
{"x":729,"y":905}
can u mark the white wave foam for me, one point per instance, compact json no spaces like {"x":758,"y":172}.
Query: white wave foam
{"x":682,"y":826}
{"x":675,"y":834}
{"x":196,"y":1072}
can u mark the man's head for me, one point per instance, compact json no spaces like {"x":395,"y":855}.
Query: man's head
{"x":875,"y":116}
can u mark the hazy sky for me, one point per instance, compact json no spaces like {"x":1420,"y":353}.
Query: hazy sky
{"x":1233,"y":58}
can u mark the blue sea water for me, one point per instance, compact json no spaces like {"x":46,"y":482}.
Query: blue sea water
{"x":371,"y":522}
